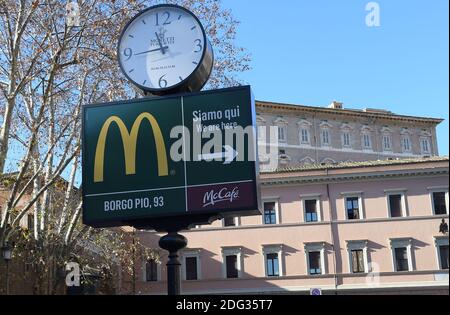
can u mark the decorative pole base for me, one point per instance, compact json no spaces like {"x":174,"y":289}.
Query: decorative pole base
{"x":173,"y":242}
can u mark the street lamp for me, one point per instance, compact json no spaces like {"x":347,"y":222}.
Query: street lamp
{"x":6,"y":254}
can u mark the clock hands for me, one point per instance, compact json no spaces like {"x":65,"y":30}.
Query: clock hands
{"x":161,"y":47}
{"x":160,"y":44}
{"x":152,"y":50}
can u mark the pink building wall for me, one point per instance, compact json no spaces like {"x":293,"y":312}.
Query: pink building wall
{"x":420,"y":225}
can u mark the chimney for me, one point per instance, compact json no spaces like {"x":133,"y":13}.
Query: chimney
{"x":336,"y":105}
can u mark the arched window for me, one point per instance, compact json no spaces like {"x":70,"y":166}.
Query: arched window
{"x":366,"y":137}
{"x":386,"y":139}
{"x":304,"y":132}
{"x":346,"y":135}
{"x":282,"y":129}
{"x":261,"y":130}
{"x":425,"y":142}
{"x":406,"y":140}
{"x":325,"y":137}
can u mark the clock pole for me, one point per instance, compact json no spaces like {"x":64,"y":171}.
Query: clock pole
{"x":202,"y":67}
{"x":173,"y":242}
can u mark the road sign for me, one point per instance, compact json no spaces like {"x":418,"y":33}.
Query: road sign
{"x":316,"y":291}
{"x":176,"y":156}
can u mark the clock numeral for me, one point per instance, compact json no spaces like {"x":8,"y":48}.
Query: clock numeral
{"x":162,"y":82}
{"x":198,"y":43}
{"x":128,"y":52}
{"x":167,"y":14}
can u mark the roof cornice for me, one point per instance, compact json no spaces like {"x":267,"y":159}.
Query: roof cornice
{"x":347,"y":112}
{"x":333,"y":178}
{"x":368,"y":170}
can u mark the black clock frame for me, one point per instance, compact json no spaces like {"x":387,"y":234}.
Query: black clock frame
{"x":196,"y":80}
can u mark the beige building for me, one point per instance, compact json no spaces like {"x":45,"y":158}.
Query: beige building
{"x":314,"y":135}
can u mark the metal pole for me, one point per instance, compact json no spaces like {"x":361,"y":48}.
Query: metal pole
{"x":134,"y":261}
{"x":173,"y":242}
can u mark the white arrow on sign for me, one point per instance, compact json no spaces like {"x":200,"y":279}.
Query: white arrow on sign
{"x":230,"y":154}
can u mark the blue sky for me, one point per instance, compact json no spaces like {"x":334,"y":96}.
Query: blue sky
{"x":314,"y":51}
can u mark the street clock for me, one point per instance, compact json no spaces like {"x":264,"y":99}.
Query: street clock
{"x":164,"y":50}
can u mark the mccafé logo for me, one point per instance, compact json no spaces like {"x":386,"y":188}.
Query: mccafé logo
{"x":212,"y":197}
{"x":129,"y":140}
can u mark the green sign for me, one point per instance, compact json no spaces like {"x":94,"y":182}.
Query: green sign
{"x":185,"y":155}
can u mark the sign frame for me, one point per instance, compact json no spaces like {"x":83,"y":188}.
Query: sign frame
{"x":181,"y":221}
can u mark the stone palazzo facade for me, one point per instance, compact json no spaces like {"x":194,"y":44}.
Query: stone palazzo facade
{"x":317,"y":135}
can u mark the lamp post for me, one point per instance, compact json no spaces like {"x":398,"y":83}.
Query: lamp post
{"x":6,"y":254}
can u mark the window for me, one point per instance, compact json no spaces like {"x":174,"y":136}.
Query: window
{"x":315,"y":258}
{"x":311,"y":211}
{"x":440,"y":202}
{"x":441,"y":243}
{"x":401,"y":259}
{"x":191,"y":264}
{"x":231,"y":262}
{"x":402,"y":254}
{"x":191,"y":268}
{"x":346,"y":139}
{"x":352,"y":205}
{"x":231,"y":265}
{"x":367,"y":143}
{"x":395,"y":206}
{"x":261,"y":133}
{"x":273,"y":260}
{"x":357,"y":261}
{"x":314,"y":263}
{"x":357,"y":254}
{"x":406,"y":144}
{"x":396,"y":203}
{"x":304,"y":136}
{"x":270,"y":213}
{"x":282,"y":130}
{"x":282,"y":152}
{"x":151,"y":271}
{"x":387,"y":145}
{"x":325,"y":137}
{"x":230,"y":221}
{"x":272,"y":265}
{"x":443,"y":253}
{"x":425,"y":145}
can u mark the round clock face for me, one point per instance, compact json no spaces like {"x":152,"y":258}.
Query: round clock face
{"x":162,"y":47}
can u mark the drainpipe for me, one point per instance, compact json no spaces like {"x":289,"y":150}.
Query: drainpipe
{"x":333,"y":244}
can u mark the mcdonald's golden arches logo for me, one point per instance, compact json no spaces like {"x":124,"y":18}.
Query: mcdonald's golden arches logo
{"x":129,"y":140}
